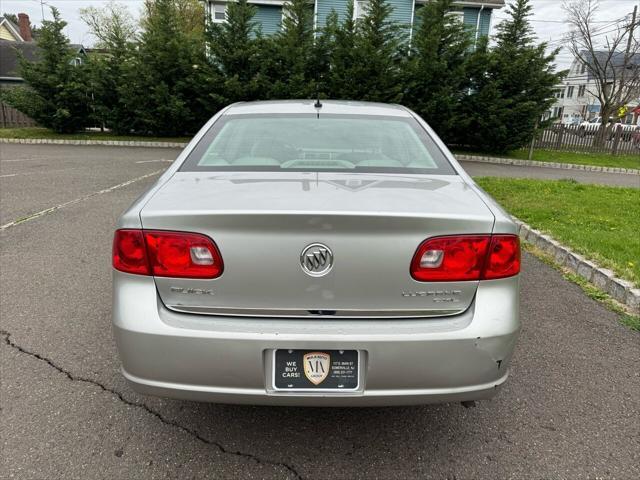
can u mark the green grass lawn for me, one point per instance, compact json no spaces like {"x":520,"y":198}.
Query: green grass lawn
{"x":601,"y":223}
{"x":38,"y":132}
{"x":599,"y":159}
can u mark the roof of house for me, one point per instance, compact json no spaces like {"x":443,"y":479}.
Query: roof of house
{"x":9,"y":57}
{"x":12,"y":27}
{"x":616,"y":61}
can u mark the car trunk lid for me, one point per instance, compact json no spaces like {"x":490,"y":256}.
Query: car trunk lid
{"x":371,"y":224}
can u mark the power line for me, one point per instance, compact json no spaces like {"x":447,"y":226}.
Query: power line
{"x":563,"y":40}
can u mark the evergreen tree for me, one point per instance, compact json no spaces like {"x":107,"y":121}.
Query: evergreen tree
{"x":367,"y":60}
{"x":110,"y":73}
{"x":288,"y":57}
{"x":341,"y":55}
{"x":512,"y":86}
{"x":436,"y":73}
{"x":234,"y":49}
{"x":172,"y":88}
{"x":57,"y":95}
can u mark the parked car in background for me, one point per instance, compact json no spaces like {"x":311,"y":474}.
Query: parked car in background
{"x":590,"y":127}
{"x":331,"y":254}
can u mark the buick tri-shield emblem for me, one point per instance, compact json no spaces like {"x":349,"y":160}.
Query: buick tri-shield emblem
{"x":316,"y":366}
{"x":316,"y":260}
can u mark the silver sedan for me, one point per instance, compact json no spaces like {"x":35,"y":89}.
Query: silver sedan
{"x":316,"y":253}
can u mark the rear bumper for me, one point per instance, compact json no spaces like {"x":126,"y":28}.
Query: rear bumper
{"x":229,"y":360}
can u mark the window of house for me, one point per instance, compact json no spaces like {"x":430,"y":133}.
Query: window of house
{"x":360,"y":8}
{"x":219,"y":12}
{"x":570,"y":92}
{"x":581,"y":90}
{"x":583,"y":69}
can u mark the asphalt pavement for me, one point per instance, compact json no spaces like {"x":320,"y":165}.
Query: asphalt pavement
{"x":570,"y":409}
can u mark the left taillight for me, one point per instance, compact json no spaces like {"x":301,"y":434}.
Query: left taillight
{"x":166,"y":254}
{"x":129,"y":252}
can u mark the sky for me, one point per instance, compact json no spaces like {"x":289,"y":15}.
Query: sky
{"x":548,"y":18}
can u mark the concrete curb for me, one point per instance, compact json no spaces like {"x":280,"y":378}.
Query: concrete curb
{"x":111,"y":143}
{"x":464,"y":158}
{"x":604,"y":279}
{"x":531,"y":163}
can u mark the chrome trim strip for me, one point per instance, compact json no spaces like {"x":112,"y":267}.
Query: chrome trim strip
{"x":301,"y":313}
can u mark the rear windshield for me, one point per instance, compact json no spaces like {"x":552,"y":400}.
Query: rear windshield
{"x":317,"y":143}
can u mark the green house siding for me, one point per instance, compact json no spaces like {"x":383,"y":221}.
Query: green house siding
{"x":485,"y":22}
{"x":269,"y":17}
{"x":401,"y":10}
{"x":417,"y":18}
{"x":401,"y":13}
{"x":471,"y":19}
{"x":324,"y":8}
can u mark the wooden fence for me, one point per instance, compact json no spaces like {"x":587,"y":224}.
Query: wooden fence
{"x":617,"y":139}
{"x":12,"y":118}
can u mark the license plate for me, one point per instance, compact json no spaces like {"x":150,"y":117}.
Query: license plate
{"x":316,"y":370}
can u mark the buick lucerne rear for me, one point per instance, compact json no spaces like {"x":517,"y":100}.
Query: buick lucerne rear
{"x":306,"y":254}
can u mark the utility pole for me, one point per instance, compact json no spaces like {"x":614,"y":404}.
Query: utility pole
{"x":627,"y":53}
{"x":631,"y":28}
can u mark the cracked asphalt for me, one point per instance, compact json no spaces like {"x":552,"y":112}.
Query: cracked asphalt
{"x":571,"y":408}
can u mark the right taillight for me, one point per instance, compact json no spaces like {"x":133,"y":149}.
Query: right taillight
{"x":466,"y":257}
{"x":166,"y":254}
{"x":503,"y":258}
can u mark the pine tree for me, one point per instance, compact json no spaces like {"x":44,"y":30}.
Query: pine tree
{"x":289,"y":54}
{"x":512,"y":85}
{"x":114,"y":28}
{"x":57,"y":95}
{"x":436,"y":73}
{"x":172,"y":88}
{"x":234,"y":49}
{"x":367,"y":60}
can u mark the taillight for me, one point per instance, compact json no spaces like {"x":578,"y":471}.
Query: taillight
{"x":466,"y":257}
{"x":166,"y":254}
{"x":503,"y":259}
{"x":129,"y":252}
{"x":185,"y":255}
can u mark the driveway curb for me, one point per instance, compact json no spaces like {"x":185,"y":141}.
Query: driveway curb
{"x":531,"y":163}
{"x":602,"y":278}
{"x":110,"y":143}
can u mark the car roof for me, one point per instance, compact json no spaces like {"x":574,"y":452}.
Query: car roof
{"x":330,"y":107}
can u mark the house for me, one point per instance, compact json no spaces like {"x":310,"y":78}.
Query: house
{"x":576,"y":101}
{"x":474,"y":13}
{"x":16,"y":33}
{"x":18,"y":38}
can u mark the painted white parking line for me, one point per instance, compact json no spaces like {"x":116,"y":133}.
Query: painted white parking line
{"x":9,"y":175}
{"x":153,"y":161}
{"x":46,"y":211}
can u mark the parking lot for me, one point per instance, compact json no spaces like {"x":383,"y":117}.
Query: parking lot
{"x":570,"y":409}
